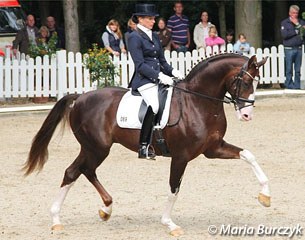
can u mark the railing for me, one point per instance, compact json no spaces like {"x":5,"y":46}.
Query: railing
{"x":55,"y":76}
{"x":65,"y":73}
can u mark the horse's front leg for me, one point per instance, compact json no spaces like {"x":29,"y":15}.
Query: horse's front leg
{"x":225,"y":150}
{"x":176,"y":174}
{"x":264,"y":196}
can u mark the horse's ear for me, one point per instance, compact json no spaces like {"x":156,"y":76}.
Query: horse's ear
{"x":252,"y":61}
{"x":261,"y":63}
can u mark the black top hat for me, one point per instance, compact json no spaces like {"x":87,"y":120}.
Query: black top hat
{"x":145,"y":9}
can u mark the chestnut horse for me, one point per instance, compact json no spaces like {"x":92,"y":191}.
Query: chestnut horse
{"x":197,"y":125}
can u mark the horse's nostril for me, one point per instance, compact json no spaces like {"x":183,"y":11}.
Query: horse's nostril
{"x":246,"y":115}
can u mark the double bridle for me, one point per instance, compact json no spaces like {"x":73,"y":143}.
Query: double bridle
{"x":235,"y":98}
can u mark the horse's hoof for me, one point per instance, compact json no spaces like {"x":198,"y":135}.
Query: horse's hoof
{"x":264,"y":200}
{"x":177,"y":232}
{"x":57,"y":227}
{"x":104,"y":216}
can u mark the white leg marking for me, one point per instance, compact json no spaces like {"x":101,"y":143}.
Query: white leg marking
{"x":262,"y":178}
{"x":166,"y":217}
{"x":56,"y":206}
{"x":107,"y":210}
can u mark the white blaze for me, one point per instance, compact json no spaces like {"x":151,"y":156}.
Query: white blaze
{"x":246,"y":113}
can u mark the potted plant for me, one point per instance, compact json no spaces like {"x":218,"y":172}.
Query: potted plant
{"x":101,"y":67}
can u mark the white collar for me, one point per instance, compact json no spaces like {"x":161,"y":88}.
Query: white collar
{"x":109,"y":30}
{"x":113,"y":33}
{"x":146,"y":30}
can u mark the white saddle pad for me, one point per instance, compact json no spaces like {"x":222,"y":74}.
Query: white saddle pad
{"x":128,"y":112}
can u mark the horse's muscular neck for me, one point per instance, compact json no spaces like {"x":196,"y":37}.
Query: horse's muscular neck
{"x":212,"y":82}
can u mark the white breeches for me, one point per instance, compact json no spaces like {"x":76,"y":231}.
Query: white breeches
{"x":149,"y":92}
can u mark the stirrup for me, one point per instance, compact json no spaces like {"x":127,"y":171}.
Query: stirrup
{"x":146,"y":152}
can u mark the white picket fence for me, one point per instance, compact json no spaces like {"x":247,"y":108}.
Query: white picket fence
{"x":65,"y":73}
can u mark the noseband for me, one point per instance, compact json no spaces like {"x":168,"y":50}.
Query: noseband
{"x":235,"y":98}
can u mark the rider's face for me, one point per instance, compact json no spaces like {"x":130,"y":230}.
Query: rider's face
{"x":147,"y":21}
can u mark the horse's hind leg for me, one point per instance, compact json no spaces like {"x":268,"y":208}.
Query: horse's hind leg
{"x":88,"y":169}
{"x":71,"y":175}
{"x":225,"y":150}
{"x":106,"y":210}
{"x":56,"y":207}
{"x":82,"y":165}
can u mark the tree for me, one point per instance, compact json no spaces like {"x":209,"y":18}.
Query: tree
{"x":71,"y":25}
{"x":44,"y":9}
{"x":281,"y":12}
{"x":248,"y":20}
{"x":222,"y":17}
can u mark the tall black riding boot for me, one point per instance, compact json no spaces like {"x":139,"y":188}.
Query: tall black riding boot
{"x":146,"y":135}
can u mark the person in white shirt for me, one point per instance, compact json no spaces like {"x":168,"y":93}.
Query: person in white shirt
{"x":201,"y":30}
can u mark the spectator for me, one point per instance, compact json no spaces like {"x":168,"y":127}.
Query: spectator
{"x":112,"y":38}
{"x":26,"y":36}
{"x":292,"y":40}
{"x":131,"y":26}
{"x":213,"y":39}
{"x":44,"y":35}
{"x":201,"y":31}
{"x":241,"y":46}
{"x":179,"y":26}
{"x":44,"y":43}
{"x":229,"y":36}
{"x":164,"y":34}
{"x":53,"y":29}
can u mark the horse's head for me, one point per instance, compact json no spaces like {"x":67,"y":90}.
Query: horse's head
{"x":243,"y":86}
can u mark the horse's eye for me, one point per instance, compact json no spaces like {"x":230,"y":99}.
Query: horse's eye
{"x":246,"y":84}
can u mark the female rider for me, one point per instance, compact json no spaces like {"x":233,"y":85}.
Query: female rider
{"x":151,"y":69}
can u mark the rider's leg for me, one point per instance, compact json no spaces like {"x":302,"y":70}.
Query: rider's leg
{"x":149,"y":92}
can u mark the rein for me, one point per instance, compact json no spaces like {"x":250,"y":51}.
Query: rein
{"x":229,"y":100}
{"x":204,"y":96}
{"x":235,"y":100}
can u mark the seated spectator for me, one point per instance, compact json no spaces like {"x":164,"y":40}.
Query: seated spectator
{"x":55,"y":30}
{"x":213,"y":39}
{"x":112,"y":38}
{"x":242,"y":46}
{"x":229,"y":36}
{"x":131,"y":25}
{"x":44,"y":35}
{"x":44,"y":43}
{"x":201,"y":30}
{"x":164,"y":34}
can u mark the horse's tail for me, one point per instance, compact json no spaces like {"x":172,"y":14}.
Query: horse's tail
{"x":39,"y":150}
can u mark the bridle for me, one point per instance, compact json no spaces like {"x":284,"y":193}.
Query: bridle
{"x":235,"y":98}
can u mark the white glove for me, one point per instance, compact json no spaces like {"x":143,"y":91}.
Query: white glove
{"x":166,"y":80}
{"x":177,"y":74}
